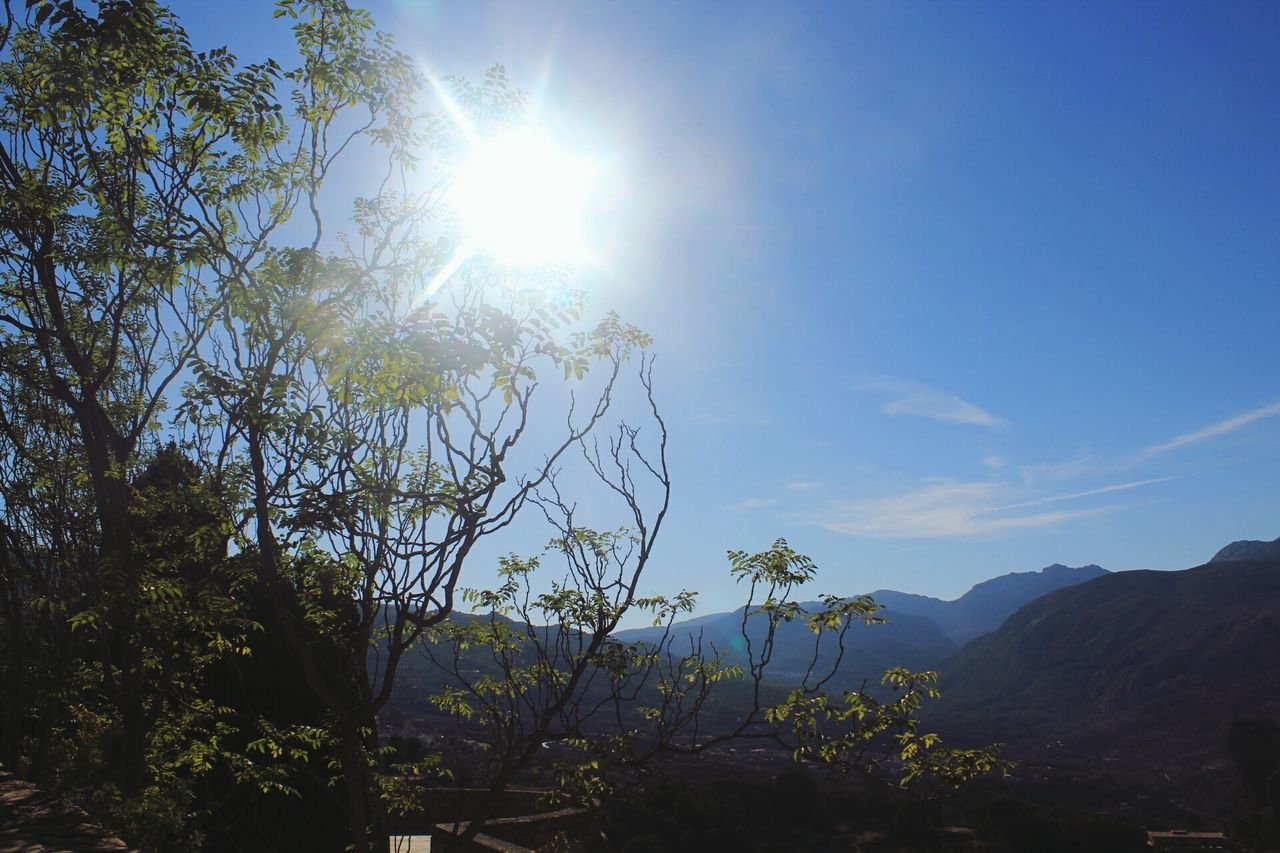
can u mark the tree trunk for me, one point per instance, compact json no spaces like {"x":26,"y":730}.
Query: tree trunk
{"x":364,"y":807}
{"x":11,"y":726}
{"x":113,"y":498}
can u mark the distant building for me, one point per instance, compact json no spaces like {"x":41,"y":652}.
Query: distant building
{"x":1181,"y":839}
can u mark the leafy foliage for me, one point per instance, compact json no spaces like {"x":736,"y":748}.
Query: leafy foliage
{"x":236,"y":445}
{"x":246,"y":459}
{"x":543,"y":668}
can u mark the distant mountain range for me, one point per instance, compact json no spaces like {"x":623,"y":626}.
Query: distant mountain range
{"x":907,"y":640}
{"x":921,"y":631}
{"x":986,"y":605}
{"x":1136,"y":674}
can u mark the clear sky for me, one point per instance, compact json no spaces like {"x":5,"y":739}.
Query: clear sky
{"x":940,"y":290}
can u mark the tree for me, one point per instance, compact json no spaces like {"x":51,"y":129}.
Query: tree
{"x":357,"y":440}
{"x":544,"y":667}
{"x":115,"y":136}
{"x":248,"y":458}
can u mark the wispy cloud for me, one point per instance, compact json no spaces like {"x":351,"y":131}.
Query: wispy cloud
{"x":802,"y":486}
{"x":751,"y":504}
{"x":913,"y":398}
{"x":1103,"y":490}
{"x":1213,"y":430}
{"x":952,"y":509}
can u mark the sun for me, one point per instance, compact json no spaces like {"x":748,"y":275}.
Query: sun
{"x":524,"y":200}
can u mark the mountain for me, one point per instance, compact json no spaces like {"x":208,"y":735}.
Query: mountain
{"x":1248,"y":549}
{"x":920,"y":633}
{"x":987,"y":604}
{"x":906,"y":640}
{"x":1144,"y":670}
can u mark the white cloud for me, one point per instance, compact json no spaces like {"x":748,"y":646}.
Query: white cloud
{"x":1213,"y":430}
{"x":802,"y":486}
{"x":994,"y":462}
{"x":952,"y":509}
{"x":913,"y":398}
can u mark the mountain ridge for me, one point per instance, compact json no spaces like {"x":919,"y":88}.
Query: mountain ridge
{"x":1140,"y":671}
{"x":920,"y":633}
{"x":987,"y":603}
{"x":1248,"y":549}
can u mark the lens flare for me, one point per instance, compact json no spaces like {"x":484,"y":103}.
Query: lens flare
{"x":523,"y":200}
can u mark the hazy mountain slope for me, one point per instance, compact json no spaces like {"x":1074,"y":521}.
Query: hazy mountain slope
{"x":906,"y":640}
{"x":920,"y":634}
{"x":909,"y":641}
{"x":989,"y":603}
{"x":922,"y":631}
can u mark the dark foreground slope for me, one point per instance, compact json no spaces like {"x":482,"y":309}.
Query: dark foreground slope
{"x":1138,"y":672}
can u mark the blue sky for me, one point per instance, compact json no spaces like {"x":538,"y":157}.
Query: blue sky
{"x":940,"y":290}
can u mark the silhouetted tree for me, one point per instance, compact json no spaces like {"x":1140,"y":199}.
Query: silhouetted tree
{"x":354,"y":438}
{"x":247,"y":458}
